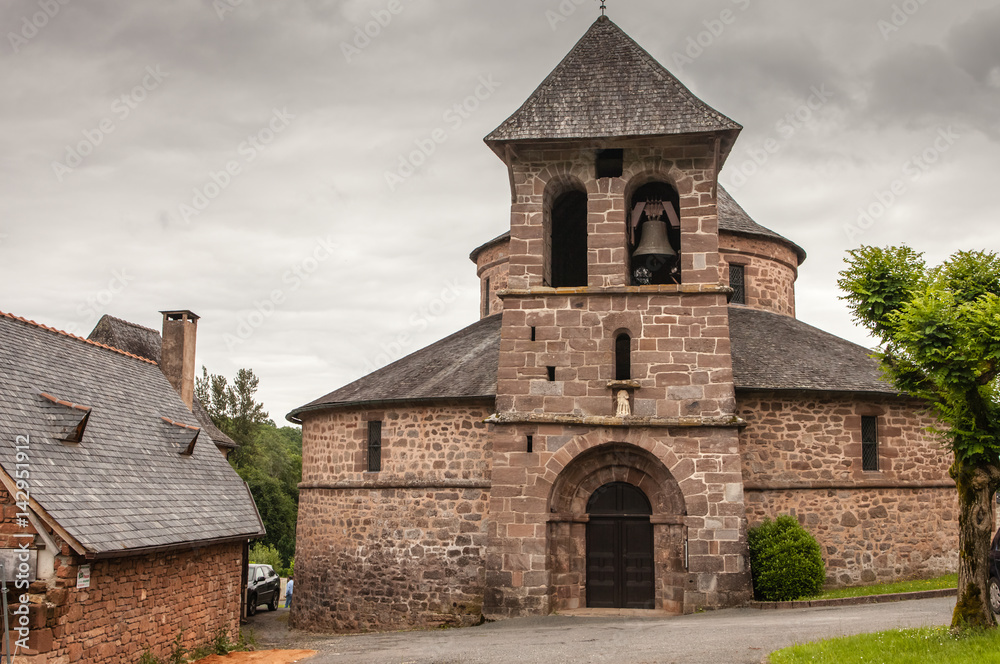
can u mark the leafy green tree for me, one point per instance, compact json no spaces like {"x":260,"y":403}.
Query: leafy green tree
{"x":939,"y":335}
{"x":269,"y":459}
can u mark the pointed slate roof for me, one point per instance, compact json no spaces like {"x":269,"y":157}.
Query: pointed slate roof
{"x":609,"y":87}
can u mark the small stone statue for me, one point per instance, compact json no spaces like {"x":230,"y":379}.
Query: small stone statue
{"x":624,"y":409}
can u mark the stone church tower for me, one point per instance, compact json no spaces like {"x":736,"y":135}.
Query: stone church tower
{"x":637,"y":392}
{"x":609,"y":136}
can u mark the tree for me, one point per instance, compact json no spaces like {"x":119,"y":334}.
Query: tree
{"x":939,"y":335}
{"x":268,"y":459}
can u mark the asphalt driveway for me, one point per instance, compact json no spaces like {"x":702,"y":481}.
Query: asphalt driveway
{"x":716,"y":637}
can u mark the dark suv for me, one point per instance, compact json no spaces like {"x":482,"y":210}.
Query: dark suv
{"x":263,"y":587}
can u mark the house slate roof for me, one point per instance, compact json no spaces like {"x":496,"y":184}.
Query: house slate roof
{"x":146,"y":342}
{"x":732,"y":219}
{"x":126,"y":485}
{"x":770,"y":352}
{"x":608,"y":87}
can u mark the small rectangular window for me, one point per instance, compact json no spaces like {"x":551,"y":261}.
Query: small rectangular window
{"x":530,"y":444}
{"x":737,"y":281}
{"x":374,"y":447}
{"x":610,"y":163}
{"x":486,"y":297}
{"x":869,"y":442}
{"x":552,"y":373}
{"x":532,"y":334}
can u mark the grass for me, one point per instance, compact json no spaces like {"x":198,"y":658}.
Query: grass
{"x":906,"y":646}
{"x":946,"y":581}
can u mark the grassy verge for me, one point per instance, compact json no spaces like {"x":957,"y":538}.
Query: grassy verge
{"x":907,"y":646}
{"x":946,"y":581}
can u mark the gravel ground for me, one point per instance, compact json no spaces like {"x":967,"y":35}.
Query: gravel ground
{"x":729,"y":636}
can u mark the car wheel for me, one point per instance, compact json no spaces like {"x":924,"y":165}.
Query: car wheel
{"x":273,"y":605}
{"x":994,"y":590}
{"x":252,"y":605}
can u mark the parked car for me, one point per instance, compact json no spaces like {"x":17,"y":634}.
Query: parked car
{"x":994,"y":586}
{"x":263,"y":587}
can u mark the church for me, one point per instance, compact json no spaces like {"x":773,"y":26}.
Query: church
{"x":636,"y":394}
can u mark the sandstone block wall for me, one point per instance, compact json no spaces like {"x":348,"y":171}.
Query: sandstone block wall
{"x":801,"y":455}
{"x":771,"y":269}
{"x":390,"y":558}
{"x":492,"y":270}
{"x":399,"y":548}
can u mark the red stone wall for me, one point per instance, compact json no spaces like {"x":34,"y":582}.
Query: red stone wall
{"x":801,"y":455}
{"x":403,"y":547}
{"x":492,"y":264}
{"x":771,"y":269}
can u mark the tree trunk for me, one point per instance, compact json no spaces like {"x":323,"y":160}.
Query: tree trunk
{"x":976,"y":486}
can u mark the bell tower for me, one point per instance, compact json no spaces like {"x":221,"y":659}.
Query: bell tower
{"x":615,"y":372}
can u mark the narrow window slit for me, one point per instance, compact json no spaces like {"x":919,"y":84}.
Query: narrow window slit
{"x":552,"y":374}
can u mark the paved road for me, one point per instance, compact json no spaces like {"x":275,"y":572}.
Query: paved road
{"x":719,"y":637}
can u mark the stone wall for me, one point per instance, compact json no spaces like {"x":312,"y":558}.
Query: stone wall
{"x":492,"y":269}
{"x":133,"y":603}
{"x":771,"y":269}
{"x":801,"y":455}
{"x":390,"y":557}
{"x":403,"y":547}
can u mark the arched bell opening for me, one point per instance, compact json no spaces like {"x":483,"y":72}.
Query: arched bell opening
{"x":567,"y":239}
{"x":630,"y":495}
{"x":654,"y":235}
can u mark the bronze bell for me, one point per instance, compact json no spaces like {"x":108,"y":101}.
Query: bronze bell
{"x":654,"y":241}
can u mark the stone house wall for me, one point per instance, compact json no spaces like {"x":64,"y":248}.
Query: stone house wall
{"x":404,"y":547}
{"x":133,"y":603}
{"x":801,"y":455}
{"x":771,"y":269}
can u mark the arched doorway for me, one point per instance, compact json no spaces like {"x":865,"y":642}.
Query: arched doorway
{"x":619,"y":548}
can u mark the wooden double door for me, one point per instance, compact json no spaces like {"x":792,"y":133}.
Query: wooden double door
{"x":619,"y":548}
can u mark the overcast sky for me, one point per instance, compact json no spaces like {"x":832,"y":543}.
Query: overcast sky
{"x":231,"y":157}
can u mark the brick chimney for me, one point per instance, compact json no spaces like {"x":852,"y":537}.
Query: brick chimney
{"x":177,"y":352}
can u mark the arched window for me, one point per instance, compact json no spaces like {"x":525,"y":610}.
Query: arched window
{"x":569,"y":240}
{"x":623,"y":357}
{"x":654,"y":220}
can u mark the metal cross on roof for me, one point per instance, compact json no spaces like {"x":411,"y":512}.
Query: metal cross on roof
{"x":603,"y":7}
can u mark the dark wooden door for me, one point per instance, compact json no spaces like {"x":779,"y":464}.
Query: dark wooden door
{"x":619,"y":548}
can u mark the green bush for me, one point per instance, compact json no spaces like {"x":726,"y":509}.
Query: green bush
{"x":785,"y":561}
{"x":265,"y":554}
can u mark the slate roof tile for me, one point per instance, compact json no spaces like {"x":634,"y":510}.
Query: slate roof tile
{"x":769,"y":351}
{"x":125,"y":463}
{"x":609,"y":86}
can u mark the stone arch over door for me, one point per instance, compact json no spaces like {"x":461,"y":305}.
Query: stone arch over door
{"x":568,"y":518}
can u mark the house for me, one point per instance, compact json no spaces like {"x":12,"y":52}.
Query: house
{"x":123,"y":525}
{"x":637,"y":393}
